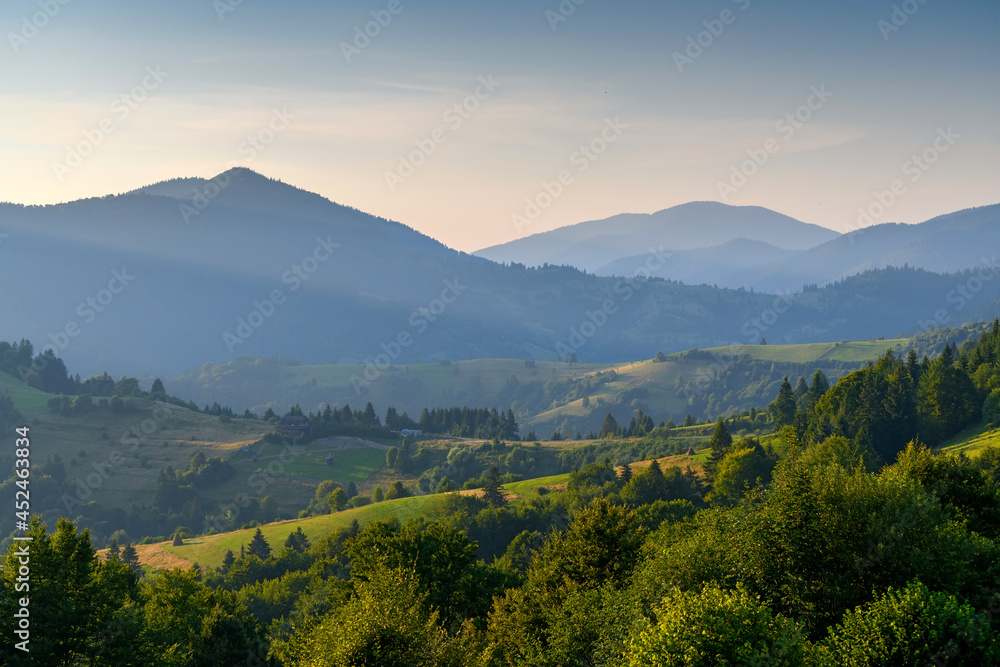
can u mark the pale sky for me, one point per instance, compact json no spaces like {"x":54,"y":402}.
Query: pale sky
{"x":82,"y":115}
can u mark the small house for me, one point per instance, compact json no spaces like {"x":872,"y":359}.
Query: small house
{"x":293,"y":427}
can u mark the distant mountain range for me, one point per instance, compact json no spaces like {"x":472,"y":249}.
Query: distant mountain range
{"x":189,"y":271}
{"x":755,"y":248}
{"x":591,"y":246}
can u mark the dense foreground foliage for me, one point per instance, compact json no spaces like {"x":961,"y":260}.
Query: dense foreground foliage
{"x":828,"y":565}
{"x":839,"y":540}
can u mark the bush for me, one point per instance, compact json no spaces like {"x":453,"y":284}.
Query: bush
{"x":717,"y":627}
{"x":912,"y":626}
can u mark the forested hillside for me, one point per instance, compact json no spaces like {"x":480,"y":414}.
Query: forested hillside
{"x":834,"y":536}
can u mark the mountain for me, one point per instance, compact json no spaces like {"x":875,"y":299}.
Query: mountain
{"x":186,"y":272}
{"x":714,"y":265}
{"x":945,"y":244}
{"x":592,"y":245}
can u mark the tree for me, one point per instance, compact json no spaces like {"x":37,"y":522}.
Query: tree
{"x":397,"y":490}
{"x":297,"y":541}
{"x":609,"y":427}
{"x":228,"y":560}
{"x":258,"y":546}
{"x":189,"y":624}
{"x":386,"y":622}
{"x":782,"y":409}
{"x":131,"y":559}
{"x":158,"y":387}
{"x":626,"y":475}
{"x":716,"y":627}
{"x":74,"y":596}
{"x":337,"y":500}
{"x":819,"y":386}
{"x":377,"y":494}
{"x":991,"y":408}
{"x":913,"y":626}
{"x":493,"y":493}
{"x":720,"y":444}
{"x":739,"y":469}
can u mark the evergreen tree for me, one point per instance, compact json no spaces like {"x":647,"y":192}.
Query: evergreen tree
{"x":782,"y":409}
{"x":493,"y":494}
{"x":297,"y":541}
{"x":720,"y":444}
{"x":820,"y":385}
{"x":259,"y":547}
{"x":158,"y":387}
{"x":609,"y":427}
{"x":130,"y":558}
{"x":626,"y":475}
{"x":228,"y":560}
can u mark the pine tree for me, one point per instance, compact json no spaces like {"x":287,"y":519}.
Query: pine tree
{"x":820,"y":385}
{"x":259,"y":546}
{"x":720,"y":444}
{"x":227,"y":561}
{"x":626,"y":474}
{"x":131,"y":558}
{"x":782,"y":409}
{"x":609,"y":427}
{"x":297,"y":541}
{"x":493,"y":494}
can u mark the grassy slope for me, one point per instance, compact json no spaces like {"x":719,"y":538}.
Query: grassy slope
{"x":210,"y":550}
{"x":658,"y":378}
{"x":170,"y":438}
{"x":972,"y":440}
{"x":29,"y":401}
{"x":854,"y":352}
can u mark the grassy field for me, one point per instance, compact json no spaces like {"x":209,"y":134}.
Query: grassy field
{"x":348,"y":465}
{"x":210,"y":550}
{"x":29,"y":401}
{"x":853,"y":352}
{"x":972,"y":440}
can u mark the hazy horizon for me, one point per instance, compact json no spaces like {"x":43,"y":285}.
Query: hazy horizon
{"x":671,"y":99}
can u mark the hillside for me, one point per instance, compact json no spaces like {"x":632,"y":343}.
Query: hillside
{"x":544,"y":395}
{"x":273,"y":270}
{"x":593,"y":245}
{"x":945,"y":244}
{"x":713,"y":266}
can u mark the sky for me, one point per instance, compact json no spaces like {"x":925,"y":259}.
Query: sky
{"x":478,"y":123}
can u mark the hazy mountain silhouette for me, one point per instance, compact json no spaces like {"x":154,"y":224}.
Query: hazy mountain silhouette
{"x":943,"y":244}
{"x":200,"y":275}
{"x":715,"y":265}
{"x":595,"y":244}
